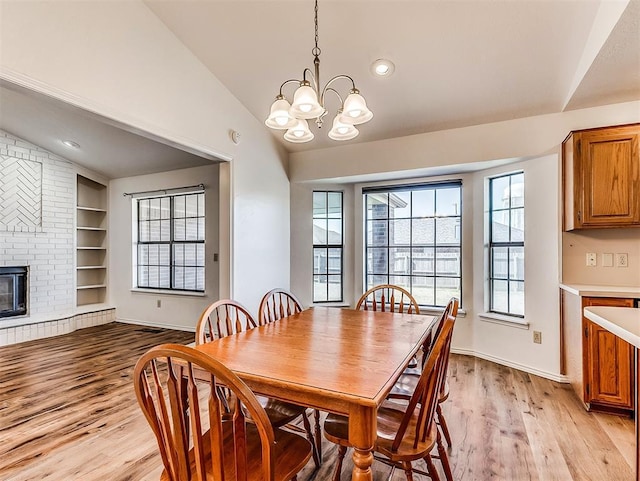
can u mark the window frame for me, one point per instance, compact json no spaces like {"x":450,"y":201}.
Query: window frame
{"x":327,"y":247}
{"x":434,"y":185}
{"x":504,"y":244}
{"x":171,"y":242}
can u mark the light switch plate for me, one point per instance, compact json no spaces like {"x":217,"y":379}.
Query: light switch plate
{"x":607,"y":260}
{"x":591,"y":259}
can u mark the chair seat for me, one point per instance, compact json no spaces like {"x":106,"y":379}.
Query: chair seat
{"x":292,"y":452}
{"x":390,"y":416}
{"x":404,"y":386}
{"x":280,"y":412}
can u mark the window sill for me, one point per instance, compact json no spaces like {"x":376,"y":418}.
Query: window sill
{"x":516,"y":322}
{"x":435,"y":311}
{"x":329,"y":304}
{"x":168,"y":292}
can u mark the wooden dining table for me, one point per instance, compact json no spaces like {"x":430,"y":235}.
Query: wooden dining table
{"x":337,"y":360}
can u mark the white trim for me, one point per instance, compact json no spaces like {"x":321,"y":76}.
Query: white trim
{"x":515,"y":365}
{"x":169,"y":292}
{"x":175,"y":327}
{"x":501,"y":319}
{"x":109,"y":116}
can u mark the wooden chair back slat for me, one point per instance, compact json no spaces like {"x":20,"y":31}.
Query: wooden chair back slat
{"x":388,"y":297}
{"x":221,"y":319}
{"x":166,"y":400}
{"x":423,"y":403}
{"x":276,"y":304}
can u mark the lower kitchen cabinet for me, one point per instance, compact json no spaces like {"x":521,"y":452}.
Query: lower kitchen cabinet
{"x":608,"y":367}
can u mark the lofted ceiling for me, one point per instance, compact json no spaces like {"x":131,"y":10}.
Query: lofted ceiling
{"x":458,"y":63}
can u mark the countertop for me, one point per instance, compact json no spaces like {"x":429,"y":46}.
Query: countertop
{"x":624,"y":322}
{"x":602,"y":291}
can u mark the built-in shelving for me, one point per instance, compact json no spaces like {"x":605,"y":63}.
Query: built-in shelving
{"x":91,"y":242}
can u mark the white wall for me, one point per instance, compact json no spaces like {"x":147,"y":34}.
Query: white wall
{"x":302,"y":242}
{"x":178,"y":311}
{"x":513,"y":139}
{"x":507,"y":343}
{"x":119,"y":60}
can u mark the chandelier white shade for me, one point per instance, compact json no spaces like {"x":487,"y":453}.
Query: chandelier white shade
{"x":341,"y":130}
{"x":299,"y":133}
{"x":280,"y":118}
{"x":309,"y":103}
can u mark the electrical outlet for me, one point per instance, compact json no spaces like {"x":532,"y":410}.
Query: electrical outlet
{"x":591,"y":259}
{"x":159,"y":303}
{"x":622,"y":260}
{"x":537,"y":337}
{"x":607,"y":260}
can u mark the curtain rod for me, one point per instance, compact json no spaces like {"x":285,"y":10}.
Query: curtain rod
{"x":165,"y":191}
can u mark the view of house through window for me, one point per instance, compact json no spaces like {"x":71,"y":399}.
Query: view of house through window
{"x":170,"y":242}
{"x":413,"y":240}
{"x":506,"y":244}
{"x":327,"y":246}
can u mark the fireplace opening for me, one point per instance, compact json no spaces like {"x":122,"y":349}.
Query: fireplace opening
{"x":13,"y":291}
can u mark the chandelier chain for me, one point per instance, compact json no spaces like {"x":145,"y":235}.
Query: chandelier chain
{"x":316,"y":50}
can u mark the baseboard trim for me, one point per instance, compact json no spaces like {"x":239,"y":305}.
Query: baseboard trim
{"x":175,"y":327}
{"x":515,"y":365}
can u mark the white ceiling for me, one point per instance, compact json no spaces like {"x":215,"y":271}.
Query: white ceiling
{"x":458,"y":63}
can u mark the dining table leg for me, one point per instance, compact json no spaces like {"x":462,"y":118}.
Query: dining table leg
{"x":362,"y":434}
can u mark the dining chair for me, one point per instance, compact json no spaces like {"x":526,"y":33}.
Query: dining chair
{"x":226,"y":317}
{"x":408,"y":380}
{"x":221,"y":319}
{"x":406,"y":432}
{"x":276,"y":304}
{"x":388,"y":298}
{"x":197,"y":438}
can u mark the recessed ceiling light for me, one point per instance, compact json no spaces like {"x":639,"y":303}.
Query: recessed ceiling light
{"x":382,"y":67}
{"x":71,"y":143}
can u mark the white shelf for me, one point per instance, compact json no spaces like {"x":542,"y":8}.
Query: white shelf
{"x":91,"y":209}
{"x":91,"y":242}
{"x":94,"y":286}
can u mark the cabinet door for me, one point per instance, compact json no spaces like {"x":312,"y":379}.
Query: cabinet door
{"x":608,"y":361}
{"x":609,"y":161}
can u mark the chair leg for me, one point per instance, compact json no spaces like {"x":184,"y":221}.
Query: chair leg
{"x":342,"y":450}
{"x":316,"y":415}
{"x":307,"y":428}
{"x":444,"y":459}
{"x":431,"y":468}
{"x":443,"y":425}
{"x":406,"y":465}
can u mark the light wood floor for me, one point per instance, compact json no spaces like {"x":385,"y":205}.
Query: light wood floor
{"x":68,"y":413}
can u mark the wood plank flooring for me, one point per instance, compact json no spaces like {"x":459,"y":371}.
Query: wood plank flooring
{"x":69,"y":413}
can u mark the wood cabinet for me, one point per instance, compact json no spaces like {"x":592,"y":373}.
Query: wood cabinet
{"x":608,"y":366}
{"x":601,"y":178}
{"x":91,"y":238}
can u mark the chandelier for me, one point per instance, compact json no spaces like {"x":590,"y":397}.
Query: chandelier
{"x":309,"y":103}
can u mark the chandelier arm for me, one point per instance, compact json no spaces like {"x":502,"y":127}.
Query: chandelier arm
{"x":287,"y":82}
{"x":337,"y":77}
{"x":331,"y":89}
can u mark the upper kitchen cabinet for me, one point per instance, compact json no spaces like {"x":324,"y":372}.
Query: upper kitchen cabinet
{"x":601,"y":178}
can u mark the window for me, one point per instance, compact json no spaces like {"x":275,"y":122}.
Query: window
{"x":506,"y":244}
{"x":170,"y":242}
{"x":413,"y":240}
{"x":327,"y":246}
